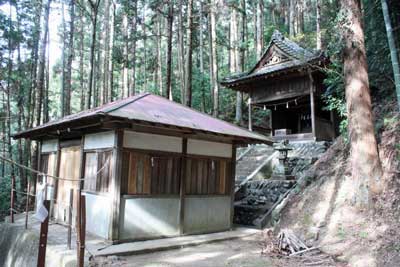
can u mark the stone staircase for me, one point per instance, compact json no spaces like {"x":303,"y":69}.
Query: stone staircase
{"x":251,"y":160}
{"x":256,"y":193}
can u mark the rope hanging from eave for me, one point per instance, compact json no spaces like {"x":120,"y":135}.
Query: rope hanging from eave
{"x":51,"y":176}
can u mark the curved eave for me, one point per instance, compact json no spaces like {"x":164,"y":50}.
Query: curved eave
{"x":316,"y":62}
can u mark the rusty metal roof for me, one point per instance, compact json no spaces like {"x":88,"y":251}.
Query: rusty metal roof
{"x":150,"y":108}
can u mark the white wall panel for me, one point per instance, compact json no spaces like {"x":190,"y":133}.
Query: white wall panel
{"x":152,"y":142}
{"x":207,"y":148}
{"x":99,"y":140}
{"x":49,"y":145}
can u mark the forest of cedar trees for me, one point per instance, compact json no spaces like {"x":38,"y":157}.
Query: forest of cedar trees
{"x":58,"y":57}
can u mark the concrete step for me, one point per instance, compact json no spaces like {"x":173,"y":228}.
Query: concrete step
{"x":140,"y":247}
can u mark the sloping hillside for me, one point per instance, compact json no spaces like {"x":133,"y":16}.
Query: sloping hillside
{"x":323,"y":214}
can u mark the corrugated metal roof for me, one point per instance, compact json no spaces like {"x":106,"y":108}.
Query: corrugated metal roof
{"x":155,"y":109}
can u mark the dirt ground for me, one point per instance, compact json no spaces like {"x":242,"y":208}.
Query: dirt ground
{"x":243,"y":252}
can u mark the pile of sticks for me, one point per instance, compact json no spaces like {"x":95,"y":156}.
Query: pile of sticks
{"x":287,"y":244}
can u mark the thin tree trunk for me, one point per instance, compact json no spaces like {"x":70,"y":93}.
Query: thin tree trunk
{"x":201,"y":59}
{"x":64,"y":37}
{"x":144,"y":88}
{"x":94,"y":6}
{"x":106,"y":53}
{"x":170,"y":19}
{"x":81,"y":60}
{"x":111,"y":55}
{"x":393,"y":49}
{"x":188,"y":65}
{"x":365,"y":164}
{"x":213,"y":63}
{"x":260,"y":28}
{"x":291,"y":18}
{"x":125,"y":57}
{"x":42,"y":63}
{"x":20,"y":104}
{"x":133,"y":49}
{"x":318,"y":20}
{"x":239,"y":95}
{"x":68,"y":73}
{"x":181,"y":51}
{"x":8,"y":93}
{"x":159,"y":44}
{"x":47,"y":85}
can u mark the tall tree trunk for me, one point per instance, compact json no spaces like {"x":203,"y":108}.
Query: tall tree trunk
{"x":201,"y":59}
{"x":47,"y":84}
{"x":42,"y":63}
{"x":125,"y":88}
{"x":188,"y":65}
{"x":260,"y":28}
{"x":170,"y":19}
{"x":181,"y":50}
{"x":292,"y":17}
{"x":133,"y":49}
{"x":20,"y":104}
{"x":272,"y":10}
{"x":8,"y":93}
{"x":81,"y":60}
{"x":68,"y":73}
{"x":106,"y":53}
{"x":64,"y":37}
{"x":365,"y":164}
{"x":234,"y":52}
{"x":318,"y":20}
{"x":94,"y":6}
{"x":34,"y":68}
{"x":393,"y":50}
{"x":111,"y":56}
{"x":159,"y":56}
{"x":144,"y":88}
{"x":239,"y":95}
{"x":213,"y":57}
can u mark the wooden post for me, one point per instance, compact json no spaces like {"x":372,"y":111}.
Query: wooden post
{"x":57,"y":173}
{"x":12,"y":198}
{"x":28,"y":189}
{"x":116,"y":185}
{"x":82,"y":231}
{"x":312,"y":105}
{"x":44,"y":228}
{"x":250,"y":118}
{"x":71,"y":204}
{"x":79,"y":205}
{"x":233,"y":177}
{"x":182,"y":188}
{"x":78,"y":227}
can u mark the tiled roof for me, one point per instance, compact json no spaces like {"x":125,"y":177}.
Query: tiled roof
{"x":298,"y":57}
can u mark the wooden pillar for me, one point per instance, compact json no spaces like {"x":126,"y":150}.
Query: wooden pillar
{"x":56,"y":181}
{"x":116,"y":185}
{"x":78,"y":213}
{"x":182,"y":188}
{"x":270,"y":123}
{"x":233,"y":176}
{"x":44,"y":228}
{"x":250,"y":118}
{"x":312,"y":104}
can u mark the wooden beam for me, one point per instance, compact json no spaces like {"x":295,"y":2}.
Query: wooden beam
{"x":233,"y":177}
{"x":250,"y":119}
{"x":116,"y":185}
{"x":312,"y":104}
{"x":182,"y":188}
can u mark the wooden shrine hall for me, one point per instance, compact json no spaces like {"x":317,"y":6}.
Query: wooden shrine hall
{"x":288,"y":80}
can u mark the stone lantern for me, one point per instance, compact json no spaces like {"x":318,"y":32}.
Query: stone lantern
{"x":283,"y":169}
